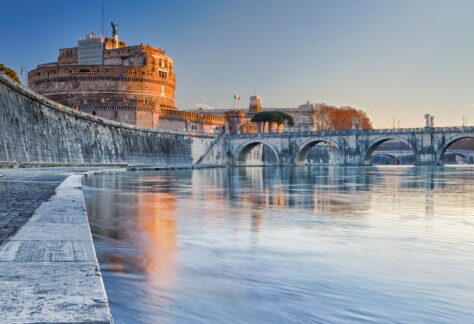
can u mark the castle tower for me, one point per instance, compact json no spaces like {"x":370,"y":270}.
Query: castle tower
{"x":107,"y":78}
{"x":255,"y":105}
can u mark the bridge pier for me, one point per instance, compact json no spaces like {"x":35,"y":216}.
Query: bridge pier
{"x":426,"y":159}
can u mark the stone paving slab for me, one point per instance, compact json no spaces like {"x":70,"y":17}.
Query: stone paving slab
{"x":38,"y":251}
{"x":48,"y":232}
{"x":48,"y":270}
{"x":52,"y":292}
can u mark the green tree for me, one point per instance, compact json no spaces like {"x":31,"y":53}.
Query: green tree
{"x":9,"y":72}
{"x":270,"y":117}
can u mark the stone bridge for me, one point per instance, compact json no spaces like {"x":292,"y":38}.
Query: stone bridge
{"x":401,"y":156}
{"x":354,"y":147}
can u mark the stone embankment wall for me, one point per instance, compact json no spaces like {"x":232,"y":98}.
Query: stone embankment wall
{"x":37,"y":131}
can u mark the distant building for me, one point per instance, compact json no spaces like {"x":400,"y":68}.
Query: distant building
{"x":129,"y":84}
{"x":234,"y":121}
{"x":304,"y":116}
{"x":255,"y":105}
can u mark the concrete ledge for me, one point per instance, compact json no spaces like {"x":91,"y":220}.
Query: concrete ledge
{"x":7,"y":165}
{"x":48,"y":270}
{"x":31,"y":165}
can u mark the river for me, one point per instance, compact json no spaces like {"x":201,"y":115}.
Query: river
{"x":287,"y":245}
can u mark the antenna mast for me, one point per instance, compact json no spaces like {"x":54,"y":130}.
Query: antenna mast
{"x":102,"y":17}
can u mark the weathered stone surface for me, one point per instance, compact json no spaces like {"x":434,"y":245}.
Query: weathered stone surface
{"x":48,"y":251}
{"x":52,"y":292}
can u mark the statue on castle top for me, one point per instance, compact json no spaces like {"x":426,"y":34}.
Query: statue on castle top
{"x":431,"y":121}
{"x":114,"y":28}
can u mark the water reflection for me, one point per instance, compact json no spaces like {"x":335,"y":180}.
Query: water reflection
{"x":314,"y":244}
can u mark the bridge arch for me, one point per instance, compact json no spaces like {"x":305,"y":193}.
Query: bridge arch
{"x":242,"y":152}
{"x":394,"y":157}
{"x":375,"y":143}
{"x":306,"y":147}
{"x":456,"y":153}
{"x":445,"y":158}
{"x":450,"y":141}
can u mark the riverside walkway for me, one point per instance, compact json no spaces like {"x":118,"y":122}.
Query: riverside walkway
{"x":48,"y":268}
{"x":21,"y":192}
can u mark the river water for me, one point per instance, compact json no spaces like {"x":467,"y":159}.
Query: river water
{"x":297,"y":245}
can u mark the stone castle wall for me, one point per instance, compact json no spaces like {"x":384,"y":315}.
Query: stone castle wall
{"x":131,"y":95}
{"x":34,"y":129}
{"x":128,"y":84}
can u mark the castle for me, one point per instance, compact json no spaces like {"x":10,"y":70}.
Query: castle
{"x":136,"y":85}
{"x":129,"y":84}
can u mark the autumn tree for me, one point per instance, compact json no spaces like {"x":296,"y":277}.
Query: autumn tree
{"x":331,"y":118}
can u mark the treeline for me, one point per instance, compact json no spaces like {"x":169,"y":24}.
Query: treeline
{"x":331,"y":118}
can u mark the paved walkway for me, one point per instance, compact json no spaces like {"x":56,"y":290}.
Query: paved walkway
{"x":48,"y":270}
{"x":21,"y":192}
{"x":24,"y":190}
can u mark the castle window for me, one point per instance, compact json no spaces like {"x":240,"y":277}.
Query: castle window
{"x":162,"y":74}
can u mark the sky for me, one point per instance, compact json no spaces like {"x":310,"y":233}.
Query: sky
{"x":392,"y":59}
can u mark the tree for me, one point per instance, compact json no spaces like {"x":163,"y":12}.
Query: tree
{"x":331,"y":118}
{"x":9,"y":72}
{"x":277,"y":117}
{"x":281,"y":117}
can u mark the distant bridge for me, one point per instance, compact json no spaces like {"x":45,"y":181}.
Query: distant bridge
{"x":353,"y":147}
{"x":404,"y":156}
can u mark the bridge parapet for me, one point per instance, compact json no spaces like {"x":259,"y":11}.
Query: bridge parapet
{"x":387,"y":131}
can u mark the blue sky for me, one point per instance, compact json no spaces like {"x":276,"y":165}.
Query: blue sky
{"x":393,"y":59}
